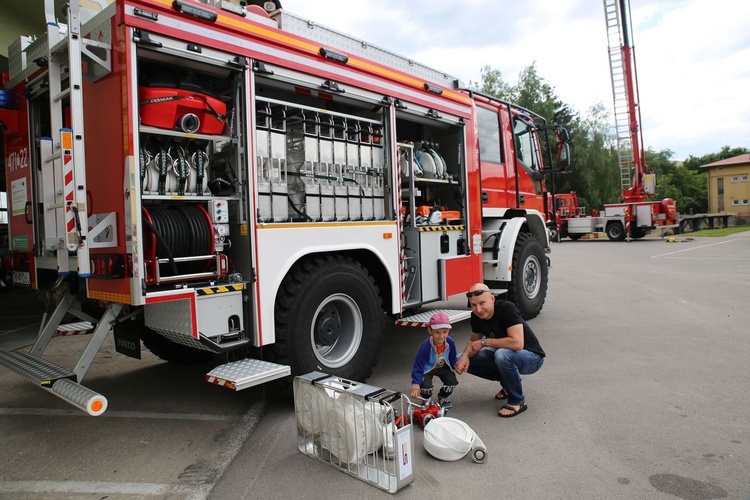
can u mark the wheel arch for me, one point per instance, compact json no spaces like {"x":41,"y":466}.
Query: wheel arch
{"x":374,"y":264}
{"x":329,"y":315}
{"x":386,"y":279}
{"x":514,"y":222}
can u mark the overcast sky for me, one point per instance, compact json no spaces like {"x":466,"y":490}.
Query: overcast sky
{"x":693,"y":56}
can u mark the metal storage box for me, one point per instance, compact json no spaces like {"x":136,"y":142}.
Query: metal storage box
{"x":359,"y":429}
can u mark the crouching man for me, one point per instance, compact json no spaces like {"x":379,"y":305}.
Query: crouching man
{"x":502,"y":347}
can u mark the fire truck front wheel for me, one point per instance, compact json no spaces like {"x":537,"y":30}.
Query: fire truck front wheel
{"x":329,"y":319}
{"x":528,"y":286}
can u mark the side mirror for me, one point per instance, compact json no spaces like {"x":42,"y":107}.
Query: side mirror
{"x":563,"y":156}
{"x":562,"y":134}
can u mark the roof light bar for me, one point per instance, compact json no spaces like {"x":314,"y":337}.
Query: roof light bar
{"x":432,"y":88}
{"x":334,"y":56}
{"x":193,"y":10}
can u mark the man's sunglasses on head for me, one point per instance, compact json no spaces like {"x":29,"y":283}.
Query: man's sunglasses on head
{"x":476,"y":293}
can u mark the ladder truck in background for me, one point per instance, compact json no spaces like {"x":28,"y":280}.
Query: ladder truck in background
{"x":634,"y":216}
{"x":238,"y":184}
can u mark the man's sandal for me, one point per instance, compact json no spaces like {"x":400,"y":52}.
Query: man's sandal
{"x":501,"y":395}
{"x":521,"y":409}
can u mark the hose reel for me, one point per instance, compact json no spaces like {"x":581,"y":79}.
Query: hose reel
{"x":177,"y":231}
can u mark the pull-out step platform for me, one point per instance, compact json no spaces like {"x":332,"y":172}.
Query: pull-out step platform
{"x":54,"y":378}
{"x":78,"y":328}
{"x":38,"y":370}
{"x":246,"y":373}
{"x":423,"y":318}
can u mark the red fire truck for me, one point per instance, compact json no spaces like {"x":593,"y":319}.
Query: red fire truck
{"x":237,"y":181}
{"x":635,"y":215}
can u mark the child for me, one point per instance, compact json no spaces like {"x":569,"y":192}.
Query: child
{"x":436,"y":356}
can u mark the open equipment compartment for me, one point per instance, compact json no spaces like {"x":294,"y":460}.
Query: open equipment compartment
{"x":189,"y":137}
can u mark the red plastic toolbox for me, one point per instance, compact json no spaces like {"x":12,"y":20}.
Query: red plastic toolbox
{"x":185,"y":110}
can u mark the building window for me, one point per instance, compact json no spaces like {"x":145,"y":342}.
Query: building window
{"x":744,"y":178}
{"x":745,"y":201}
{"x":735,"y":203}
{"x":735,"y":179}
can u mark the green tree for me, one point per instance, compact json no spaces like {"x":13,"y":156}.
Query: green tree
{"x":694,"y":163}
{"x":596,"y":176}
{"x":492,"y":83}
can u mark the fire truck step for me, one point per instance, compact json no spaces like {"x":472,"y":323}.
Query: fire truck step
{"x":38,"y":370}
{"x":79,"y":328}
{"x":246,"y":373}
{"x":421,"y":319}
{"x":81,"y":397}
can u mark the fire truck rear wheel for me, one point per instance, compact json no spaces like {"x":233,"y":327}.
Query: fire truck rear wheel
{"x":528,"y":286}
{"x":615,"y":231}
{"x":329,"y":319}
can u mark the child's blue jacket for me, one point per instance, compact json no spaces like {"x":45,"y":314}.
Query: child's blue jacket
{"x":427,"y":356}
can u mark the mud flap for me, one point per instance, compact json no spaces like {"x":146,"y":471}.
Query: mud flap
{"x":127,"y":342}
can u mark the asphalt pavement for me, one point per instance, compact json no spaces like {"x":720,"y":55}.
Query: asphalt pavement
{"x":643,"y":394}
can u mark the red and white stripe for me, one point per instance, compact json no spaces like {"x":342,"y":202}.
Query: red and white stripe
{"x":80,"y":328}
{"x":220,"y":381}
{"x":68,"y":184}
{"x":401,"y":237}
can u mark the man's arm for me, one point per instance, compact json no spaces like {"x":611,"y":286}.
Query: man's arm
{"x":471,"y":349}
{"x":514,"y":340}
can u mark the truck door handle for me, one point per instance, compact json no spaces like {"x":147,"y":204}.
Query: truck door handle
{"x":522,"y":199}
{"x":485,"y":197}
{"x":27,"y":213}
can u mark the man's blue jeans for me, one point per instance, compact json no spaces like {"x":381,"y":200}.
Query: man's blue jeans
{"x":506,"y":366}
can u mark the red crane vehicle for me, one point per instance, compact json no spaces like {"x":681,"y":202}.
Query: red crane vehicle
{"x":240,"y":184}
{"x":634,"y":216}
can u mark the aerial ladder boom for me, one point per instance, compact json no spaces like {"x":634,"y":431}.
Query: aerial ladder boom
{"x":630,"y":150}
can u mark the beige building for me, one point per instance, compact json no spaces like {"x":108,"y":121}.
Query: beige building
{"x":728,"y":186}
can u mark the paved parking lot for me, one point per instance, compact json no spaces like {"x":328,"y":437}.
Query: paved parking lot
{"x":644,"y":394}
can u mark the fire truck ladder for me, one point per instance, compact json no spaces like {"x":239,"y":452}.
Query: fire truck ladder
{"x":616,"y":38}
{"x":63,"y":156}
{"x":64,"y":173}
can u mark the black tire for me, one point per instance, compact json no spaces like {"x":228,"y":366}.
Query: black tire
{"x":575,"y":236}
{"x":637,"y":234}
{"x":528,"y":286}
{"x":329,"y":319}
{"x":554,"y":235}
{"x":615,"y":231}
{"x":162,"y":347}
{"x":6,"y":278}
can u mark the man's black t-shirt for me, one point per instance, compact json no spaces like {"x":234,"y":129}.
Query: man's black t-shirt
{"x":506,"y":315}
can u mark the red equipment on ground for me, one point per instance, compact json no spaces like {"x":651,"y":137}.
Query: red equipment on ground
{"x":428,"y":410}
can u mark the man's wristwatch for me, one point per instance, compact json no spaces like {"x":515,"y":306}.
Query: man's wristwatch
{"x":484,"y":341}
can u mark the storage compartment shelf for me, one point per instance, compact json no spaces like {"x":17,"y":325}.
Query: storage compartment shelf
{"x":176,"y":133}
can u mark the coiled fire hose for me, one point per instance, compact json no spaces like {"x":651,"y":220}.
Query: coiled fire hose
{"x":450,"y":439}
